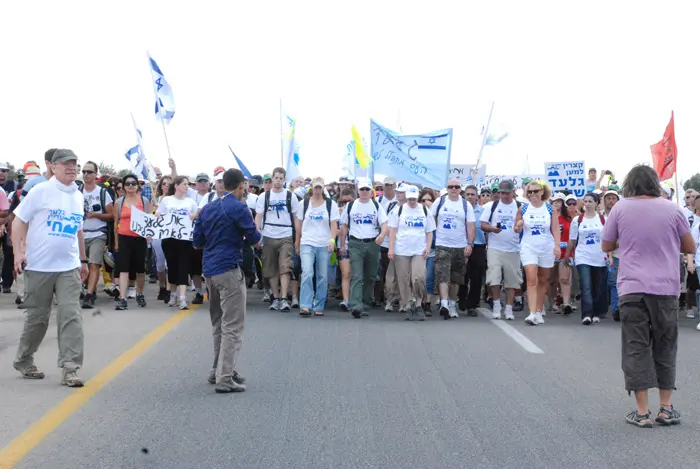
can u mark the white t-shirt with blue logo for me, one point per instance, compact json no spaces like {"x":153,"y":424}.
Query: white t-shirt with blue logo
{"x":587,"y":236}
{"x":316,"y":229}
{"x":411,"y":226}
{"x":451,"y":222}
{"x":537,"y":227}
{"x":54,"y":213}
{"x":278,"y":222}
{"x":365,"y":219}
{"x":171,"y":204}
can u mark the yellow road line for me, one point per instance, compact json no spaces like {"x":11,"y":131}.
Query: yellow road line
{"x":17,"y":449}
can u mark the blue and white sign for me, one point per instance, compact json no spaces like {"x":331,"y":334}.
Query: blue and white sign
{"x":465,"y":173}
{"x":569,"y":175}
{"x":422,"y":159}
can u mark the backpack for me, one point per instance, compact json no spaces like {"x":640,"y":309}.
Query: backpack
{"x":289,"y":210}
{"x":425,"y":211}
{"x":329,"y":204}
{"x":211,"y":197}
{"x":376,"y":206}
{"x":120,"y":205}
{"x":495,"y":204}
{"x":109,"y":229}
{"x":437,"y":213}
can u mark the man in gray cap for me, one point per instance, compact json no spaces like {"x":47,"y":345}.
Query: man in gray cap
{"x":49,"y":247}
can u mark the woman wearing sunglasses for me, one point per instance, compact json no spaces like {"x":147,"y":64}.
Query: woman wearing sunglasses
{"x":561,"y":274}
{"x":129,"y":246}
{"x":539,"y":246}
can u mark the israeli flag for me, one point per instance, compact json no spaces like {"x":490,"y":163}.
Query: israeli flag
{"x":422,"y":159}
{"x":137,"y":158}
{"x":165,"y":103}
{"x":290,"y":146}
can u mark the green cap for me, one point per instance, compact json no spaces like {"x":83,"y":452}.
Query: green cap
{"x":267,"y":176}
{"x":527,"y":180}
{"x":494,"y":187}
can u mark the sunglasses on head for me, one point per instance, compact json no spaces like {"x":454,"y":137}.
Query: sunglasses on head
{"x":454,"y":186}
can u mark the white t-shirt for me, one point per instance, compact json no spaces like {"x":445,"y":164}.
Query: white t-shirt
{"x":205,"y":199}
{"x":507,"y":240}
{"x":92,"y":226}
{"x":411,"y":226}
{"x":451,"y":225}
{"x":394,"y":207}
{"x":695,"y":231}
{"x":54,"y":213}
{"x":316,"y":229}
{"x":252,"y":201}
{"x":587,"y":236}
{"x":364,"y":219}
{"x":195,"y":195}
{"x":386,"y":201}
{"x":688,"y":214}
{"x":171,"y":204}
{"x":278,"y":222}
{"x":537,"y":227}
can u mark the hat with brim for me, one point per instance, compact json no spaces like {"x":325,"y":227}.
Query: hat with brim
{"x":570,"y":197}
{"x":402,"y":187}
{"x":202,"y":177}
{"x":61,"y":156}
{"x":364,"y":183}
{"x":613,"y":192}
{"x":267,"y":177}
{"x":412,"y":192}
{"x":559,"y":196}
{"x":318,"y":182}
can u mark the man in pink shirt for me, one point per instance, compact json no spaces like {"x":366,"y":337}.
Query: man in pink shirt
{"x":651,"y":232}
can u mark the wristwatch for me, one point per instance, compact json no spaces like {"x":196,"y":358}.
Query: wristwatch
{"x":84,"y":261}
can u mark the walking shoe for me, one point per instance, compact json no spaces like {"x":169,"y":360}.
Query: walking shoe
{"x":121,"y":305}
{"x":587,"y":321}
{"x":408,"y":315}
{"x":543,"y":312}
{"x":419,"y":314}
{"x":284,"y":306}
{"x":227,"y":385}
{"x":428,"y":310}
{"x":266,"y":297}
{"x":538,"y":318}
{"x":238,"y":378}
{"x":365,"y":313}
{"x":173,"y":299}
{"x":472,"y":313}
{"x":89,"y":301}
{"x":496,"y":314}
{"x":698,"y":327}
{"x":259,"y":285}
{"x":152,"y":280}
{"x":141,"y":301}
{"x":344,"y":306}
{"x":131,"y":293}
{"x":211,"y":379}
{"x":295,"y":302}
{"x":518,"y":306}
{"x":689,"y":313}
{"x":596,"y":320}
{"x":19,"y":300}
{"x":30,"y":372}
{"x":453,"y":310}
{"x":640,"y":420}
{"x":163,"y":294}
{"x":509,"y":313}
{"x":70,"y":379}
{"x":198,"y":299}
{"x":555,"y":309}
{"x":531,"y":320}
{"x":568,"y":309}
{"x":388,"y":308}
{"x":668,"y":416}
{"x":444,"y":311}
{"x":275,"y":306}
{"x":182,"y":304}
{"x":356,"y":314}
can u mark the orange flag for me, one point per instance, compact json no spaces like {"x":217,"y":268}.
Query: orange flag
{"x":665,"y":154}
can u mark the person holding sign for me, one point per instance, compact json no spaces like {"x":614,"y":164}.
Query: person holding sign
{"x":178,"y":252}
{"x":219,"y":231}
{"x":129,"y":247}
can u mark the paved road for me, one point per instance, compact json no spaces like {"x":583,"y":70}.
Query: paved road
{"x":343,"y":393}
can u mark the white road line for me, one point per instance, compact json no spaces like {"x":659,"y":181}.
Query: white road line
{"x":511,"y":332}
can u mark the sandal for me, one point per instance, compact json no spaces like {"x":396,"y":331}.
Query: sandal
{"x":319,"y":313}
{"x":640,"y":420}
{"x":668,"y":416}
{"x":305,"y":313}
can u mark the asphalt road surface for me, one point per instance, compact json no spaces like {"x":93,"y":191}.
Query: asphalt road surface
{"x":336,"y":392}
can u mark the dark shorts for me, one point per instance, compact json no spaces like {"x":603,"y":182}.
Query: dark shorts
{"x":450,"y":265}
{"x":131,"y":256}
{"x":196,"y":262}
{"x":649,"y":341}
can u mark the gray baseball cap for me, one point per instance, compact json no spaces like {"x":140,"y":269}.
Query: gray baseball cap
{"x":60,"y":156}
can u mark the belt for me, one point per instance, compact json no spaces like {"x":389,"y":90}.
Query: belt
{"x":365,"y":240}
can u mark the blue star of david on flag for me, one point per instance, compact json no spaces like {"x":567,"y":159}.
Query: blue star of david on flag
{"x":165,"y":102}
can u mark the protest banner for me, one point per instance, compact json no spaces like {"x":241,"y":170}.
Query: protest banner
{"x":567,"y":175}
{"x":488,"y":181}
{"x":465,"y":173}
{"x":170,"y":225}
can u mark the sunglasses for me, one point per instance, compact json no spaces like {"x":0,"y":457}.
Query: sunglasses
{"x":470,"y":194}
{"x":571,"y":204}
{"x":4,"y":170}
{"x":535,"y":191}
{"x":87,"y":171}
{"x":131,"y":184}
{"x":454,"y":187}
{"x":120,"y":188}
{"x":365,"y":189}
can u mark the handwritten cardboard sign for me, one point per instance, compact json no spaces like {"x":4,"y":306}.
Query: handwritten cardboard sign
{"x":171,"y":225}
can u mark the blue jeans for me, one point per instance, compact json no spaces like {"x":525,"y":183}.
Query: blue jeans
{"x":311,"y":255}
{"x":594,"y":298}
{"x":430,"y":275}
{"x":612,"y":285}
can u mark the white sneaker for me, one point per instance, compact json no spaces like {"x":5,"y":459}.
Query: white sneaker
{"x":531,"y":320}
{"x":596,"y":320}
{"x":509,"y":313}
{"x":544,"y":311}
{"x":496,"y":311}
{"x":131,"y":293}
{"x":182,"y":304}
{"x":275,"y":306}
{"x":266,"y":297}
{"x":698,"y":326}
{"x":453,"y":309}
{"x":538,"y":318}
{"x":586,"y":321}
{"x":388,"y":308}
{"x":689,"y":314}
{"x":173,"y":300}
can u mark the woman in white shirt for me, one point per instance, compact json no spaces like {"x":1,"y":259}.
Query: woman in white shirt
{"x":539,"y":245}
{"x":315,"y":241}
{"x":585,"y":238}
{"x":178,"y":251}
{"x":410,"y":238}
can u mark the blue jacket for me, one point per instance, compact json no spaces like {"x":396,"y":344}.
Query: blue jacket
{"x":219,"y":230}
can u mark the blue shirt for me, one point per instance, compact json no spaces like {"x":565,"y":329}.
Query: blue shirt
{"x":33,"y":182}
{"x":479,"y":238}
{"x":219,"y":230}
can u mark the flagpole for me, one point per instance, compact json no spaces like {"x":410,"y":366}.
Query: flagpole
{"x":678,"y":200}
{"x":281,"y":136}
{"x":483,"y":141}
{"x":155,"y":92}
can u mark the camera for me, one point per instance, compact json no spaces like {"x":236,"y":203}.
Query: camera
{"x":498,"y":225}
{"x":97,"y":208}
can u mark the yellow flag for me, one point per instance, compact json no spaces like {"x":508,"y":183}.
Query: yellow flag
{"x":360,"y":154}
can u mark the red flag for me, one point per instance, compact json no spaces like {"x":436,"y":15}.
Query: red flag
{"x":665,"y":153}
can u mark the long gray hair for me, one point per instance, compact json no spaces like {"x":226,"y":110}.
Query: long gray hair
{"x":642,"y":180}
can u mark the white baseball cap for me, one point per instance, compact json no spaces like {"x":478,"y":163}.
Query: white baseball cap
{"x":411,"y":192}
{"x":364,"y":183}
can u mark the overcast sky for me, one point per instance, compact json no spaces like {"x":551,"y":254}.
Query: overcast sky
{"x":594,"y":81}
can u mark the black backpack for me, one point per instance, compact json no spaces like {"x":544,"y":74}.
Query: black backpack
{"x":329,"y":204}
{"x":349,"y":209}
{"x":289,"y":211}
{"x":495,"y":204}
{"x":109,"y":229}
{"x":425,"y":210}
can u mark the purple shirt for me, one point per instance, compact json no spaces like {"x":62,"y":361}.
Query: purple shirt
{"x":649,"y":232}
